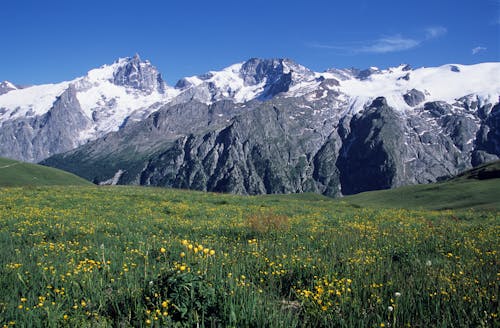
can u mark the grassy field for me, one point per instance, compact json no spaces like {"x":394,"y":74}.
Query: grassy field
{"x":14,"y":173}
{"x":478,"y":188}
{"x":454,"y":194}
{"x":149,"y":257}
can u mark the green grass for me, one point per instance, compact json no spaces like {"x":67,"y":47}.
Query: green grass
{"x":14,"y":173}
{"x":482,"y":172}
{"x":460,"y":194}
{"x":125,"y":257}
{"x":472,"y":189}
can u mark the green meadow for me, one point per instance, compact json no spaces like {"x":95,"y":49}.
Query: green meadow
{"x":14,"y":174}
{"x":150,"y":257}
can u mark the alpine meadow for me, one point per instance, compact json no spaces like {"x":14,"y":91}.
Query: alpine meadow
{"x":149,"y":257}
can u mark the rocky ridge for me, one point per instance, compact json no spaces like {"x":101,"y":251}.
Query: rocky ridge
{"x":268,"y":126}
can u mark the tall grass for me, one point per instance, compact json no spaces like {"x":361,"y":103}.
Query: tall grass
{"x":142,"y":257}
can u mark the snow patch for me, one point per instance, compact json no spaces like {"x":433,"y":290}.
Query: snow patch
{"x":38,"y":99}
{"x":114,"y":180}
{"x":439,"y":83}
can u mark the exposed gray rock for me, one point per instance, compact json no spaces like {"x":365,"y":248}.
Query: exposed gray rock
{"x":488,"y":138}
{"x":366,"y":73}
{"x":405,"y":77}
{"x":407,"y":67}
{"x":35,"y":138}
{"x":414,"y":97}
{"x":278,"y":146}
{"x":140,"y":75}
{"x":371,"y":155}
{"x":438,"y":108}
{"x":263,"y":148}
{"x":255,"y":71}
{"x":273,"y":76}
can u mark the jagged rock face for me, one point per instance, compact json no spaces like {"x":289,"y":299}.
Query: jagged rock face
{"x":488,"y":137}
{"x":104,"y":100}
{"x":371,"y":155}
{"x":414,"y":97}
{"x":278,"y":147}
{"x":268,"y":148}
{"x":255,"y":71}
{"x":261,"y":79}
{"x":263,"y":126}
{"x":39,"y":137}
{"x":255,"y":154}
{"x":140,"y":75}
{"x":366,"y":73}
{"x":278,"y":75}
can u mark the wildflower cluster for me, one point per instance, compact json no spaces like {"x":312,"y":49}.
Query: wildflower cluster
{"x":327,"y":293}
{"x":197,"y":249}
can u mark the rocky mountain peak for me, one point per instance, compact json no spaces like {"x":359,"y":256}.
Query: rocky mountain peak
{"x":6,"y":86}
{"x":138,"y":74}
{"x":366,"y":73}
{"x":256,"y":70}
{"x":276,"y":74}
{"x":379,"y":102}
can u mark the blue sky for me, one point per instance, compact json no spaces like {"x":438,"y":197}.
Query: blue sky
{"x":55,"y":40}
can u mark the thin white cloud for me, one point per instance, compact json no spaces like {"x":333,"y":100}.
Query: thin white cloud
{"x":390,"y":44}
{"x":477,"y":50}
{"x":387,"y":44}
{"x":434,"y":32}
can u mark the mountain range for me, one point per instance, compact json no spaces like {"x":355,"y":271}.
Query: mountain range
{"x":261,"y":126}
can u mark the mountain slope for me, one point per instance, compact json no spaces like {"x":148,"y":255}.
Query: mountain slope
{"x":477,"y":188}
{"x":262,"y":126}
{"x":94,"y":105}
{"x":15,"y":173}
{"x":280,"y":147}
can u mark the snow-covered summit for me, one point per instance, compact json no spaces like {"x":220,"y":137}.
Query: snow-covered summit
{"x":108,"y":95}
{"x":6,"y":86}
{"x":254,"y":79}
{"x":130,"y":87}
{"x":445,"y":83}
{"x":263,"y":79}
{"x":130,"y":72}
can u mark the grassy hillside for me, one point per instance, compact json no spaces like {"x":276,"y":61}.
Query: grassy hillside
{"x":151,"y":257}
{"x":482,"y":172}
{"x":478,"y":188}
{"x":14,"y":173}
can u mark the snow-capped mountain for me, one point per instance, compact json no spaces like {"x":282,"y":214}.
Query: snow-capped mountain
{"x":107,"y":95}
{"x":254,"y":79}
{"x":105,"y":99}
{"x":6,"y":86}
{"x":445,"y":83}
{"x":265,"y":79}
{"x":398,"y":125}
